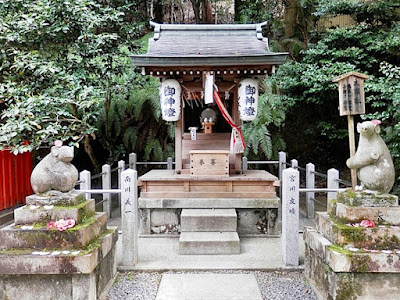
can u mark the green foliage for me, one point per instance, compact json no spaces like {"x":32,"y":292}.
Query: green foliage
{"x":384,"y":97}
{"x":55,"y":66}
{"x":65,"y":74}
{"x":370,"y":47}
{"x":373,"y":13}
{"x":271,"y":114}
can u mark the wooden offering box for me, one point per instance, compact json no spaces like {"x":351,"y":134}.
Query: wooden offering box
{"x":209,"y":162}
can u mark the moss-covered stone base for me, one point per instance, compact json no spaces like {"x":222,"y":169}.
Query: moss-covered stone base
{"x":328,"y":284}
{"x":92,"y":286}
{"x":87,"y":276}
{"x":367,"y":199}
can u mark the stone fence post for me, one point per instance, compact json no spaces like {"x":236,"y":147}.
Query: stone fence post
{"x":129,"y":217}
{"x":169,"y":163}
{"x":333,"y":183}
{"x":132,"y":161}
{"x":121,"y":168}
{"x":310,"y":184}
{"x":106,"y":185}
{"x":290,"y":216}
{"x":86,"y":182}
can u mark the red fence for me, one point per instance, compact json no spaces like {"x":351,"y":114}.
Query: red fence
{"x":15,"y":172}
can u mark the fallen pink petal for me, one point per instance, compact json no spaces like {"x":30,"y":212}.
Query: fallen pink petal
{"x":367,"y":223}
{"x":61,"y":224}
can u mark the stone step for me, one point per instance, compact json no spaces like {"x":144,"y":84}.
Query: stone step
{"x":209,"y":286}
{"x":209,"y":219}
{"x":26,"y":215}
{"x":209,"y":243}
{"x":380,"y":236}
{"x":14,"y":236}
{"x":355,"y":213}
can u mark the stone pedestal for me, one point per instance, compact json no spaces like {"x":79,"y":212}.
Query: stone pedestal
{"x":345,"y":260}
{"x":76,"y":264}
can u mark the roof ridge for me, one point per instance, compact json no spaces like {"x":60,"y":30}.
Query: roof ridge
{"x":208,"y":26}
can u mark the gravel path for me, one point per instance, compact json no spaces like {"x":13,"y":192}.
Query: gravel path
{"x":278,"y":285}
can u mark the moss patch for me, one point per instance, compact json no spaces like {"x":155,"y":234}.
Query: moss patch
{"x":360,"y":263}
{"x":86,"y":221}
{"x":81,"y":202}
{"x":387,"y":242}
{"x":340,"y":250}
{"x":95,"y":243}
{"x":16,"y":251}
{"x":353,"y":234}
{"x":348,"y":289}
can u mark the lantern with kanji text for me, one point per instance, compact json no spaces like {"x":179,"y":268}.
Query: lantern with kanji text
{"x":248,"y":99}
{"x":170,"y":98}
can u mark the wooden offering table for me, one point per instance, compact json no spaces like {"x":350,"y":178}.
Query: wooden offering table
{"x":164,"y":194}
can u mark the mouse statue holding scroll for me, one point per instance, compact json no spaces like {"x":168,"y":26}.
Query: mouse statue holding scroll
{"x":55,"y":171}
{"x":372,"y":160}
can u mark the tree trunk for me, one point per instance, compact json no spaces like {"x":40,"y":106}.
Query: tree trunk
{"x":158,"y":11}
{"x":207,"y":8}
{"x":291,"y":18}
{"x":238,"y":9}
{"x":90,"y":153}
{"x":196,"y":10}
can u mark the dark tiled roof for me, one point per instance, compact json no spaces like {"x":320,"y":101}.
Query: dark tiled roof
{"x":178,"y":44}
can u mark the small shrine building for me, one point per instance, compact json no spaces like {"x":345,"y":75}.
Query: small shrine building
{"x":209,"y":85}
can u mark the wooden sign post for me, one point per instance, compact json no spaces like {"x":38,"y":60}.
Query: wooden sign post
{"x":351,"y":102}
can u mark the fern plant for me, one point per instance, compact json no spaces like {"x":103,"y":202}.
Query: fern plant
{"x":262,"y":135}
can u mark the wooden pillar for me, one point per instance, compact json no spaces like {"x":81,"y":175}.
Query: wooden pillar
{"x":352,"y":144}
{"x":178,"y":141}
{"x":236,"y":120}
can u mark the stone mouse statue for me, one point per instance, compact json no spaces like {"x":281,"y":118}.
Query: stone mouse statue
{"x":55,"y":171}
{"x":372,"y":160}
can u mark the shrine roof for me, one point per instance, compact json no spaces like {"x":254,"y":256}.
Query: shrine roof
{"x":207,"y":45}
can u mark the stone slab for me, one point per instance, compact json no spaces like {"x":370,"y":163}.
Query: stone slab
{"x":25,"y":215}
{"x":342,"y":260}
{"x":208,"y":287}
{"x":367,"y":199}
{"x":56,"y":198}
{"x":382,"y":214}
{"x":220,"y":219}
{"x":24,"y":262}
{"x":64,"y":286}
{"x":331,"y":284}
{"x":255,"y":255}
{"x":316,"y":241}
{"x":342,"y":234}
{"x":209,"y":202}
{"x":12,"y":237}
{"x":209,"y":243}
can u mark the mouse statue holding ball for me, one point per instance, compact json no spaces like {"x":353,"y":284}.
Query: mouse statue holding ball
{"x":372,"y":160}
{"x":55,"y":171}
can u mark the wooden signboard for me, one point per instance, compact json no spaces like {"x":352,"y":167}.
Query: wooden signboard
{"x":209,"y":162}
{"x":351,"y":102}
{"x":351,"y":93}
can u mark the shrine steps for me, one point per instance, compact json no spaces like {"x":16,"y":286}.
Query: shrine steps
{"x":209,"y":232}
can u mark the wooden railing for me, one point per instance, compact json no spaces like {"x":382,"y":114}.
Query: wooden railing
{"x":332,"y":179}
